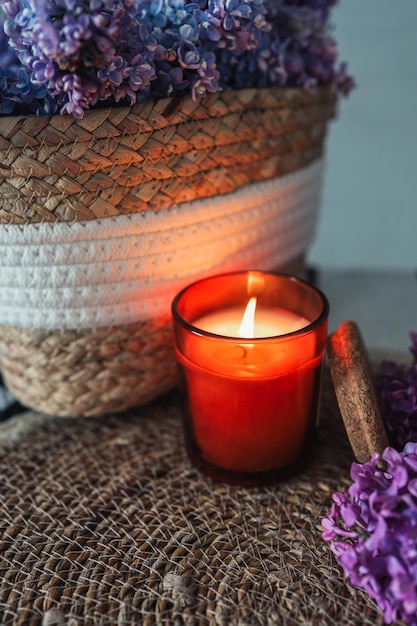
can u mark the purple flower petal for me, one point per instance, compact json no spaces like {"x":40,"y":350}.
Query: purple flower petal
{"x":372,"y":530}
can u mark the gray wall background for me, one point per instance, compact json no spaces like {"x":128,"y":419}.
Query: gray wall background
{"x":369,"y":209}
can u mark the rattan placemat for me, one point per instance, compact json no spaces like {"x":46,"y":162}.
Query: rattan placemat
{"x":104,"y":521}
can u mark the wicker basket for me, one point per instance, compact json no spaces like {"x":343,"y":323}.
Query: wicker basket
{"x":103,"y":220}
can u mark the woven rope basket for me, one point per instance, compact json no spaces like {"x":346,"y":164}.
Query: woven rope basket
{"x":103,"y":219}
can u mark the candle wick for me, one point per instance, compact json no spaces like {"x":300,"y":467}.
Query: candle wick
{"x":247,"y":326}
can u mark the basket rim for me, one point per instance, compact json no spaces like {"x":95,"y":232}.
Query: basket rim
{"x":171,"y":104}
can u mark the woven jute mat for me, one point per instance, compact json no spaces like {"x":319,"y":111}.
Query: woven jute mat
{"x":104,"y":521}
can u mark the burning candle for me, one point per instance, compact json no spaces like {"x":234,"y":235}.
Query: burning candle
{"x":250,"y":349}
{"x":268,"y":323}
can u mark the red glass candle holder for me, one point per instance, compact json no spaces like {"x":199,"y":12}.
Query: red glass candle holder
{"x":250,"y":403}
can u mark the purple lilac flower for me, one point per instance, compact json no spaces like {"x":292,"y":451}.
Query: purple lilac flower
{"x":398,"y":397}
{"x":18,"y":94}
{"x":80,"y":49}
{"x":194,"y":37}
{"x":298,"y":51}
{"x":80,"y":54}
{"x":372,"y":530}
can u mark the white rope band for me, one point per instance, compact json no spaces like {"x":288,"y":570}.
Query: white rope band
{"x":128,"y":268}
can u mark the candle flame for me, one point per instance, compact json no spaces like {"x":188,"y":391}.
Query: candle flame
{"x":247,"y":326}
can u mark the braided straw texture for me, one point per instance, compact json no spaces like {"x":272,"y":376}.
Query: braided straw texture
{"x":155,"y":154}
{"x":106,"y":522}
{"x":90,"y":371}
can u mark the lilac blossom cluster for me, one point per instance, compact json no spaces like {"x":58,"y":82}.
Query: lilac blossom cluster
{"x":372,"y":529}
{"x":74,"y":55}
{"x":398,"y":398}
